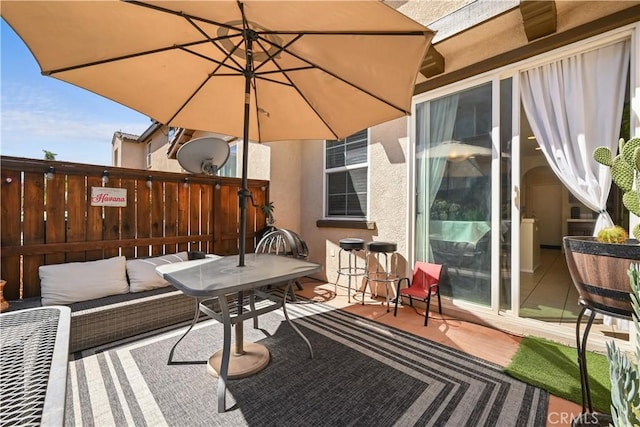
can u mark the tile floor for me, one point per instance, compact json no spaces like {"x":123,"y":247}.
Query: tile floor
{"x":549,"y":295}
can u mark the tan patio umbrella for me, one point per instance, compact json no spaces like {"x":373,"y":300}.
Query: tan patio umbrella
{"x":258,"y":70}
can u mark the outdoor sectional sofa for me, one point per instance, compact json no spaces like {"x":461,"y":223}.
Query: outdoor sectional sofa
{"x":100,"y":320}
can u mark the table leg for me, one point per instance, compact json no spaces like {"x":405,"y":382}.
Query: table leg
{"x":295,"y":328}
{"x":226,"y":350}
{"x":193,"y":322}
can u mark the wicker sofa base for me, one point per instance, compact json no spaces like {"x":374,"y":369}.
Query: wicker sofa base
{"x":104,"y":324}
{"x":105,"y":320}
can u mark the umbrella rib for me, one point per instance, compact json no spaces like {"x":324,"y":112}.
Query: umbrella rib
{"x":284,"y":73}
{"x":189,"y":99}
{"x":179,"y":13}
{"x":119,"y":58}
{"x":353,"y":85}
{"x":215,"y":43}
{"x":215,"y":61}
{"x":324,"y":70}
{"x":270,"y":57}
{"x":310,"y":105}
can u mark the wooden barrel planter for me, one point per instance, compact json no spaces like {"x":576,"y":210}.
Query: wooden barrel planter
{"x":599,"y":272}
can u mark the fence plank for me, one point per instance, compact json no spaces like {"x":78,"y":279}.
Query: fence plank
{"x":195,"y":214}
{"x":76,"y":211}
{"x":207,"y":216}
{"x":157,"y":211}
{"x":33,"y":229}
{"x":227,"y":220}
{"x":183,"y":215}
{"x":170,"y":214}
{"x":94,"y":220}
{"x":112,"y":222}
{"x":143,"y":216}
{"x":128,"y":216}
{"x":10,"y":211}
{"x":55,"y":229}
{"x":255,"y":216}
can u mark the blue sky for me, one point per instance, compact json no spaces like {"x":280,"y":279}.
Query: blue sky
{"x":42,"y":113}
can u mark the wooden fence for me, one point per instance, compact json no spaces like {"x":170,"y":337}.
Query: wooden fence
{"x":52,"y":221}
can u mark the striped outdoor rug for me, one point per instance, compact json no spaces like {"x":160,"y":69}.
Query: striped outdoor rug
{"x":363,"y":373}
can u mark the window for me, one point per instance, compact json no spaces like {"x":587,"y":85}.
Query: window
{"x":230,"y":167}
{"x":115,"y":158}
{"x":346,"y":169}
{"x":149,"y":155}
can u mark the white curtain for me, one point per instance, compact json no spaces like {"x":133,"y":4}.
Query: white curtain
{"x":435,"y":121}
{"x":575,"y":105}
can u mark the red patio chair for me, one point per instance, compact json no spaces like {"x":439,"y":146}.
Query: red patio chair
{"x":424,"y":283}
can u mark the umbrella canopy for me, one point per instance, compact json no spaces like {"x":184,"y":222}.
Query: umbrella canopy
{"x":259,"y":70}
{"x":321,"y":69}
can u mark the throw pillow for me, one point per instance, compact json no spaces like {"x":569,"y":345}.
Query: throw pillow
{"x":81,"y":281}
{"x":142,"y":272}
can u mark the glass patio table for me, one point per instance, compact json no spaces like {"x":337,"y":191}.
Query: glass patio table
{"x":217,"y":278}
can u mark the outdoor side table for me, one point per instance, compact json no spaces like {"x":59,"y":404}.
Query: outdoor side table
{"x":34,"y":354}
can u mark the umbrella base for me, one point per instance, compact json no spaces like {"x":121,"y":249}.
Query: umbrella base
{"x":254,"y":359}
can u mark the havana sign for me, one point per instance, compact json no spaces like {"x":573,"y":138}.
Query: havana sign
{"x":104,"y":196}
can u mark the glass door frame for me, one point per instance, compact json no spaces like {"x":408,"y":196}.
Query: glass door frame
{"x":494,"y":78}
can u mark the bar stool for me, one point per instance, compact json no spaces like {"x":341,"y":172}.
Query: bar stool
{"x":386,"y":271}
{"x":353,"y":247}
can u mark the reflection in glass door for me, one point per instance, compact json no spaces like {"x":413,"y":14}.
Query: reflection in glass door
{"x":508,"y":197}
{"x":453,"y":190}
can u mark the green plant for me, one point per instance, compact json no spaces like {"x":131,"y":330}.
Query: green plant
{"x":625,"y":170}
{"x":268,"y":209}
{"x":49,"y":155}
{"x":625,"y":373}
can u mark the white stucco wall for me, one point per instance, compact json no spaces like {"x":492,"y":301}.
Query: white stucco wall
{"x":285,"y":191}
{"x":387,"y":193}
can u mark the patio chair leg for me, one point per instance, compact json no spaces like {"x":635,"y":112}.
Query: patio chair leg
{"x":398,"y":296}
{"x":426,"y":313}
{"x":439,"y":303}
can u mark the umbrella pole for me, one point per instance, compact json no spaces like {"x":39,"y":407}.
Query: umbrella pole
{"x":255,"y":357}
{"x":244,"y":194}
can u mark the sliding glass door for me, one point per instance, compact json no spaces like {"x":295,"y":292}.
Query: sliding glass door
{"x":462,"y":213}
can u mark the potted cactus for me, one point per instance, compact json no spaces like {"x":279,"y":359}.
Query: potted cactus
{"x":598,"y":268}
{"x":598,"y":265}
